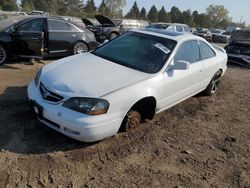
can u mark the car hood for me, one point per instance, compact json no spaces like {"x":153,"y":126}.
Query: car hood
{"x":87,"y":75}
{"x":87,"y":22}
{"x":104,"y":20}
{"x":241,"y":36}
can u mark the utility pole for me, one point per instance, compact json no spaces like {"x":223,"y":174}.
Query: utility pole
{"x":241,"y":18}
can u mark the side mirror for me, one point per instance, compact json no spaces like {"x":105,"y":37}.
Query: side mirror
{"x":181,"y":65}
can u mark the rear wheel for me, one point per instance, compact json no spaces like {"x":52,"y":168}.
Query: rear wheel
{"x":131,"y":120}
{"x":214,"y":83}
{"x":3,"y":55}
{"x":80,"y":47}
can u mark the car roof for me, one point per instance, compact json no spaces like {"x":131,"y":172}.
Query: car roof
{"x":177,"y":36}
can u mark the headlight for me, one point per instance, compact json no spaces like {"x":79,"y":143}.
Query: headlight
{"x":37,"y":78}
{"x":90,"y":106}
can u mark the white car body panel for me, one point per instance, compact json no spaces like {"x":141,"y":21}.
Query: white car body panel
{"x":87,"y":75}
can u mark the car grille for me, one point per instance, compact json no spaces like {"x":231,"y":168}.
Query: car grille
{"x":48,"y":95}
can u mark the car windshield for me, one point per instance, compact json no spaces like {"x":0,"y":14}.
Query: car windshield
{"x":143,"y":52}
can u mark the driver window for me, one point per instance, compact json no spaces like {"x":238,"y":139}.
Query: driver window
{"x":189,"y":51}
{"x":31,"y":26}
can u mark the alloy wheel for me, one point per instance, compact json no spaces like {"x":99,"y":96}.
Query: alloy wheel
{"x":215,"y":82}
{"x":80,"y":48}
{"x":3,"y":55}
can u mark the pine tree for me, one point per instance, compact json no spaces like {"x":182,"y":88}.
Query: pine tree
{"x":134,"y":12}
{"x":90,"y":9}
{"x":162,"y":15}
{"x":143,"y":13}
{"x":103,"y":9}
{"x":8,"y":5}
{"x":175,"y":14}
{"x":153,"y":14}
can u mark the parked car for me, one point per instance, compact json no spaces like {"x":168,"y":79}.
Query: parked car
{"x":171,"y":27}
{"x":42,"y":36}
{"x":223,"y":37}
{"x":216,"y":32}
{"x":239,"y":49}
{"x":92,"y":96}
{"x":108,"y":29}
{"x":206,"y":34}
{"x":38,"y":12}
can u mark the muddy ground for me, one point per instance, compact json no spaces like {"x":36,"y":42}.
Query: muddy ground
{"x":202,"y":142}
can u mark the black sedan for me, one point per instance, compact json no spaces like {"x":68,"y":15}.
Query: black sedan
{"x":42,"y":36}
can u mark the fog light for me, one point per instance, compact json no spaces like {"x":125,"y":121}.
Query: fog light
{"x":71,"y":131}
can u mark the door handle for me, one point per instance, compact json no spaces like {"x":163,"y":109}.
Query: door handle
{"x":35,"y":38}
{"x":72,"y":35}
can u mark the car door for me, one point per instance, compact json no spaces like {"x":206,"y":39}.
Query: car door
{"x":62,"y":36}
{"x":28,"y":38}
{"x":178,"y":85}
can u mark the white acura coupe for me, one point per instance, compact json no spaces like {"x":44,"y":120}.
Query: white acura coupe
{"x":92,"y":96}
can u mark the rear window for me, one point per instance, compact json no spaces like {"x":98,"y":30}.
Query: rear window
{"x":206,"y":51}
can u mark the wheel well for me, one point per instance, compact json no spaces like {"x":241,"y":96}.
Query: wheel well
{"x":146,"y":107}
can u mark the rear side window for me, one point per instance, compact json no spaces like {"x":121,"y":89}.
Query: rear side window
{"x":187,"y":29}
{"x":189,"y":51}
{"x":31,"y":26}
{"x":55,"y":25}
{"x":179,"y":28}
{"x":206,"y":51}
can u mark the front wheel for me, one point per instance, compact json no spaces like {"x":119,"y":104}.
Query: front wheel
{"x":79,"y":48}
{"x":3,"y":55}
{"x":112,"y":36}
{"x":131,"y":120}
{"x":214,"y":83}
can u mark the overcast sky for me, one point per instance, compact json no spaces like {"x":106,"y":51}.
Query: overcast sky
{"x":237,"y":8}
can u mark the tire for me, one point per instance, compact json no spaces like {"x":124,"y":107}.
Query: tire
{"x":112,"y":36}
{"x":80,"y":47}
{"x":131,"y":120}
{"x":3,"y":55}
{"x":213,"y":85}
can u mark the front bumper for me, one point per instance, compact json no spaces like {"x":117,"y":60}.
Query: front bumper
{"x":85,"y":128}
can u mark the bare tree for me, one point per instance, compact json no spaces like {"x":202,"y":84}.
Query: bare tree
{"x":115,"y":6}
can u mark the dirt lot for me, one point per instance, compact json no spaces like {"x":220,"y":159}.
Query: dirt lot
{"x":202,"y":142}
